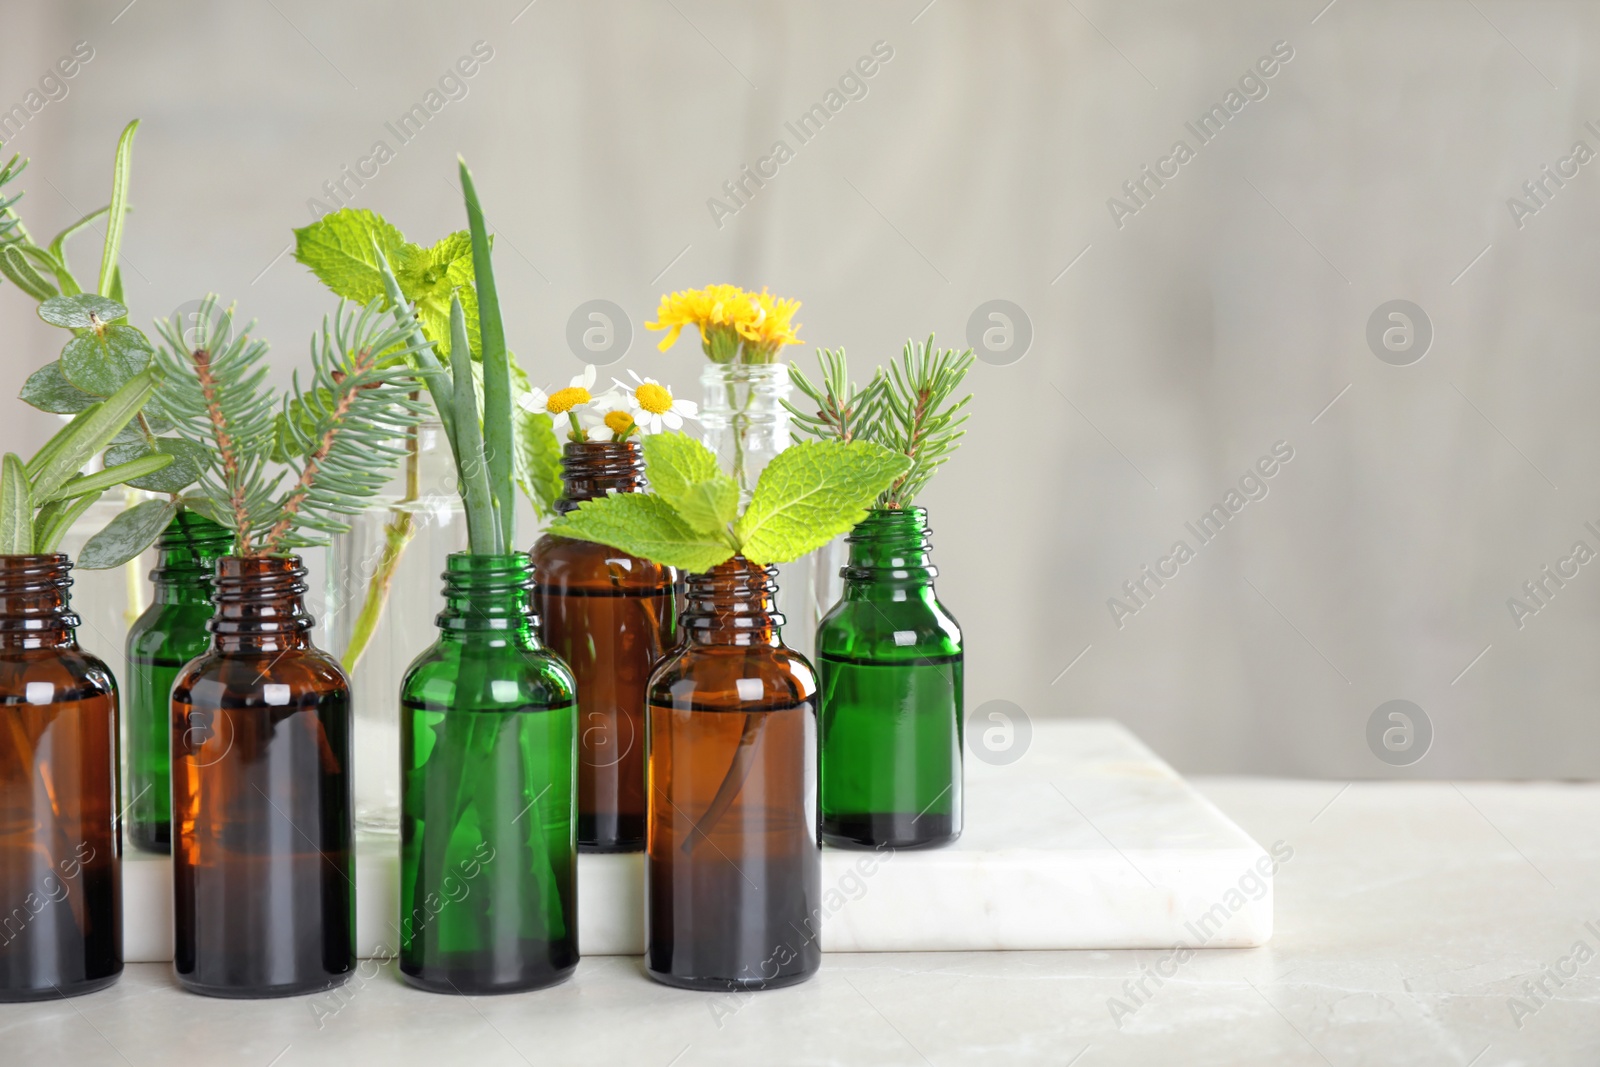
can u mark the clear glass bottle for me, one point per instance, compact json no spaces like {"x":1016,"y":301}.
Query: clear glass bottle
{"x":60,"y":846}
{"x":744,"y":422}
{"x":262,"y":852}
{"x":488,"y":853}
{"x":170,"y":633}
{"x":733,"y":871}
{"x":380,"y":594}
{"x":610,"y":617}
{"x":889,"y":665}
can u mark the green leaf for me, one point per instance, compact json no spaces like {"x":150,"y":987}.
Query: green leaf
{"x":117,"y":212}
{"x":101,"y":480}
{"x":15,"y":265}
{"x":58,"y":244}
{"x":440,"y":386}
{"x":538,"y":459}
{"x":483,"y":531}
{"x":296,"y":416}
{"x":56,"y":518}
{"x":16,"y":508}
{"x":88,"y":432}
{"x":48,"y":390}
{"x":684,"y":473}
{"x":82,"y":311}
{"x":186,"y":461}
{"x":645,"y":525}
{"x":101,"y":361}
{"x":811,"y":493}
{"x":339,"y":250}
{"x":497,"y":439}
{"x":127,"y":535}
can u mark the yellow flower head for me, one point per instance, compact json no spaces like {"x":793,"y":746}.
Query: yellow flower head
{"x":655,"y":399}
{"x":564,"y":400}
{"x":619,"y":423}
{"x":732,"y":323}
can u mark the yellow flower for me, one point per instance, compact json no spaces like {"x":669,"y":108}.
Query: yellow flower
{"x":619,"y":423}
{"x":564,"y":400}
{"x":732,"y":322}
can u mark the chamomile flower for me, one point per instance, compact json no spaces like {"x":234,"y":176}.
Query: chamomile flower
{"x":653,"y":406}
{"x":576,"y":394}
{"x":600,"y":417}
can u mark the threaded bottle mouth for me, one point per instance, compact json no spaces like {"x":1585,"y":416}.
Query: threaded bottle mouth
{"x":34,"y":593}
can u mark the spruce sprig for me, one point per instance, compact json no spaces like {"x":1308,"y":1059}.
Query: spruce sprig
{"x":342,"y":430}
{"x":842,"y":412}
{"x":919,"y":421}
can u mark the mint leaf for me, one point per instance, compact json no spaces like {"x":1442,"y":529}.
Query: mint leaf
{"x":684,"y":473}
{"x":338,"y":249}
{"x":811,"y":493}
{"x":80,"y":312}
{"x":433,"y":312}
{"x":104,"y":360}
{"x":48,"y":390}
{"x":538,"y":458}
{"x":646,"y":526}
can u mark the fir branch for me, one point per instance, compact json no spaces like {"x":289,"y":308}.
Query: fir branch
{"x":358,"y":405}
{"x":215,"y":392}
{"x":341,"y":433}
{"x":919,"y":421}
{"x":843,"y":412}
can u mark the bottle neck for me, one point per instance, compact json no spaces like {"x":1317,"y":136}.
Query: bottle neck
{"x":259,"y":605}
{"x":487,"y":599}
{"x":743,"y":419}
{"x":591,"y":469}
{"x":733,"y":604}
{"x":34,"y":606}
{"x":186,"y":556}
{"x":889,"y":554}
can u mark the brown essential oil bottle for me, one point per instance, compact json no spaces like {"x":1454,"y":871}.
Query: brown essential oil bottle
{"x":610,"y":616}
{"x":60,"y":846}
{"x":733,"y":870}
{"x":262,"y":858}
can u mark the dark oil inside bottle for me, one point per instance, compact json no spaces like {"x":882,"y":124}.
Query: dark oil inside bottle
{"x":891,"y":751}
{"x":735,"y":885}
{"x":60,"y":930}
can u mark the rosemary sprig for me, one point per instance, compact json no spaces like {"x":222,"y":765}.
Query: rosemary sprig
{"x":842,"y":412}
{"x":919,"y":421}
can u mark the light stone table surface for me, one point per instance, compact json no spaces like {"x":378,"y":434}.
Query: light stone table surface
{"x":1407,"y":921}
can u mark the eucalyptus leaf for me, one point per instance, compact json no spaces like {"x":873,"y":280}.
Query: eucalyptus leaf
{"x":102,"y":361}
{"x":80,"y":312}
{"x":188,"y":459}
{"x":127,"y":535}
{"x":48,"y":390}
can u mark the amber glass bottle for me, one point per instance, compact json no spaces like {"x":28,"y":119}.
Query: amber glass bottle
{"x":60,"y":846}
{"x":889,"y":660}
{"x":170,"y":633}
{"x":262,"y":859}
{"x":733,"y":871}
{"x":610,"y":616}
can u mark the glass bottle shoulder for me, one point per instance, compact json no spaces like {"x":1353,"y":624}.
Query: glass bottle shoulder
{"x":53,"y":675}
{"x":243,"y":678}
{"x":563,"y":564}
{"x":732,"y":678}
{"x":173,"y":630}
{"x":884,"y":628}
{"x":509,"y":675}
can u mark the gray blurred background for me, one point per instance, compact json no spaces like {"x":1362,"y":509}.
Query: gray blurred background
{"x":1175,"y":339}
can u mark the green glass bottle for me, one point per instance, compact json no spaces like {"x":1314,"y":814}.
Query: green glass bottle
{"x":889,"y":673}
{"x":488,"y":764}
{"x":170,"y":633}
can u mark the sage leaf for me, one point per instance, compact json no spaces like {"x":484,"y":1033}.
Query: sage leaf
{"x":16,"y":508}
